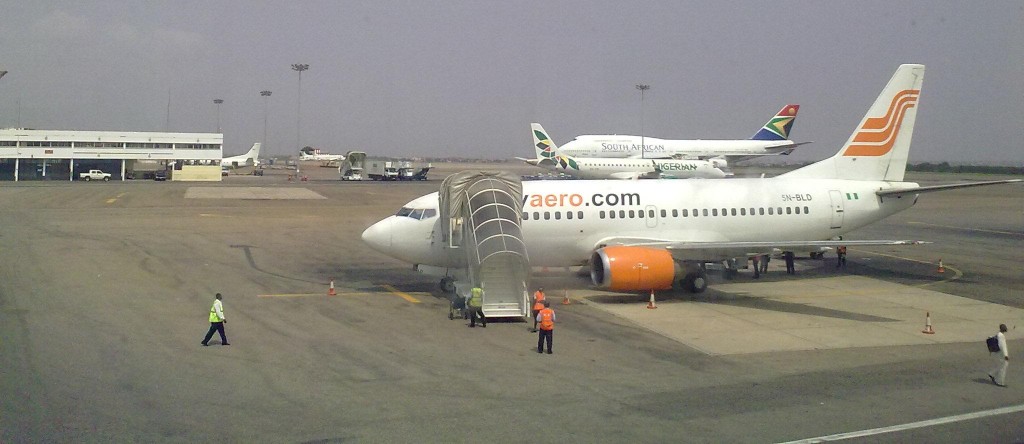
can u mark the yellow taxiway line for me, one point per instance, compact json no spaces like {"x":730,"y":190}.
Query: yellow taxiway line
{"x":957,"y":274}
{"x":387,"y":287}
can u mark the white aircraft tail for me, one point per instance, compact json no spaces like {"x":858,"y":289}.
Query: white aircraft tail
{"x":543,"y":145}
{"x":879,"y":147}
{"x":254,"y":153}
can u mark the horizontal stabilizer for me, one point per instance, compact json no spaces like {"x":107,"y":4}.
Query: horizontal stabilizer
{"x":953,"y":186}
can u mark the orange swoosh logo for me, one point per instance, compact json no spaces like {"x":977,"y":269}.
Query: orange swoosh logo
{"x":878,"y":134}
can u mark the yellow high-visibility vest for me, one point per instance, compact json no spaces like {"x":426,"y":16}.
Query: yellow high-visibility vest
{"x":477,"y":297}
{"x":213,"y":312}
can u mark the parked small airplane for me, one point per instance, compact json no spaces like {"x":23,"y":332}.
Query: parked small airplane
{"x":310,"y":153}
{"x":771,"y":139}
{"x":550,"y":157}
{"x":651,"y":234}
{"x":252,"y":157}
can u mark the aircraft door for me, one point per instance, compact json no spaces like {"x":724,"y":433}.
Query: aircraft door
{"x":837,"y":208}
{"x":651,"y":217}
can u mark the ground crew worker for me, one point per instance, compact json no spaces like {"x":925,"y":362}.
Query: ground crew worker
{"x":1003,"y":356}
{"x":546,"y":318}
{"x":841,"y":256}
{"x":476,"y":307}
{"x":538,"y":305}
{"x":788,"y":256}
{"x":217,"y":321}
{"x":756,"y":260}
{"x":764,"y":263}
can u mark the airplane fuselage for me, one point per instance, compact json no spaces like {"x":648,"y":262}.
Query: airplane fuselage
{"x":615,"y":146}
{"x":565,"y":221}
{"x":617,"y":168}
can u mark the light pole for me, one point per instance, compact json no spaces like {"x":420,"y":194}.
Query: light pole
{"x":298,"y":124}
{"x":642,"y":88}
{"x":266,"y":98}
{"x":218,"y":102}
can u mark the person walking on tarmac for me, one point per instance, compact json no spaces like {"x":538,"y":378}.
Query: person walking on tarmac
{"x":764,"y":263}
{"x":217,"y":321}
{"x":998,"y":374}
{"x":476,"y":307}
{"x":546,"y":318}
{"x":841,"y":256}
{"x":756,"y":260}
{"x":538,"y":305}
{"x":788,"y":256}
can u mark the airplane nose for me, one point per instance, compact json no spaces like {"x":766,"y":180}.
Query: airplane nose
{"x":378,"y":236}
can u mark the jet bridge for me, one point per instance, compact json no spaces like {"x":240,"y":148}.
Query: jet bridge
{"x":481,"y":215}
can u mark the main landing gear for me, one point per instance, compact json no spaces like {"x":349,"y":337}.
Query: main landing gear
{"x":696,"y":278}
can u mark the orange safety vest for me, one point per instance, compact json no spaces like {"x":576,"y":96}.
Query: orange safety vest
{"x":538,"y":301}
{"x":547,"y":319}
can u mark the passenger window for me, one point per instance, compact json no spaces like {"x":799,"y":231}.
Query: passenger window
{"x":751,"y":211}
{"x":675,"y":213}
{"x":622,"y":214}
{"x":547,"y":215}
{"x":611,"y":214}
{"x":686,"y":213}
{"x":526,"y":216}
{"x":778,"y":211}
{"x":664,"y":213}
{"x":714,"y":211}
{"x":732,"y":211}
{"x":771,"y":211}
{"x":705,"y":211}
{"x":789,"y":210}
{"x":807,"y":210}
{"x":631,"y":214}
{"x":743,"y":211}
{"x":797,"y":210}
{"x":760,"y":211}
{"x":650,"y":213}
{"x":579,"y":214}
{"x":601,"y":214}
{"x":725,"y":212}
{"x":558,"y":215}
{"x":568,"y":214}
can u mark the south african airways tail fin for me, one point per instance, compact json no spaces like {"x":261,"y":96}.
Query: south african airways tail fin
{"x":778,"y":127}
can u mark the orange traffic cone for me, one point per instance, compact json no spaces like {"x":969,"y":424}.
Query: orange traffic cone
{"x":941,"y":268}
{"x":566,"y":301}
{"x":331,"y":292}
{"x":928,"y":324}
{"x":650,"y":303}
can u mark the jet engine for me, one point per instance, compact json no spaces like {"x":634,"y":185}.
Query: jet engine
{"x":621,"y":268}
{"x":719,"y":162}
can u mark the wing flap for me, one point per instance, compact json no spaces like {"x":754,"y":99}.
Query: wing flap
{"x":719,"y":251}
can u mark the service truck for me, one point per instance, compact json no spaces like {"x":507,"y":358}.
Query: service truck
{"x":94,"y":175}
{"x":382,"y":170}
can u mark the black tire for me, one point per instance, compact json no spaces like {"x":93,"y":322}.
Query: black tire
{"x":106,"y":179}
{"x":87,"y":178}
{"x":447,"y":285}
{"x":695,"y":282}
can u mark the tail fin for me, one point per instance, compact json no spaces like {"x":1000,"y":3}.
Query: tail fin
{"x":879,"y":147}
{"x":779,"y":126}
{"x":547,"y":151}
{"x":254,"y":153}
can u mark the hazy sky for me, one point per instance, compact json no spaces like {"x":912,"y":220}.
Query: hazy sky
{"x":466,"y":78}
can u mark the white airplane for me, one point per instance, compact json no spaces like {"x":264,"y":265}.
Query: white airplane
{"x":771,"y":139}
{"x":550,"y":157}
{"x":650,"y":234}
{"x":310,"y":153}
{"x":252,"y":157}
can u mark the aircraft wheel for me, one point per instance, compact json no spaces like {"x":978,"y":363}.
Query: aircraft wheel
{"x":447,"y":285}
{"x":695,"y":282}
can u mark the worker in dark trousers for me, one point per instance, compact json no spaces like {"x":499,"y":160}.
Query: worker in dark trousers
{"x":546,"y":319}
{"x":476,"y":307}
{"x":217,"y":321}
{"x":756,"y":260}
{"x":788,"y":256}
{"x":764,"y":263}
{"x":841,"y":256}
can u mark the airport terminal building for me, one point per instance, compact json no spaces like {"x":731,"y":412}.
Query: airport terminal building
{"x":27,"y":154}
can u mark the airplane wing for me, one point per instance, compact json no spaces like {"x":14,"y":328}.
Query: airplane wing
{"x":720,"y":251}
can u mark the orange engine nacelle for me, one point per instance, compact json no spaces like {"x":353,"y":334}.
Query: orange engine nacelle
{"x":632,"y":268}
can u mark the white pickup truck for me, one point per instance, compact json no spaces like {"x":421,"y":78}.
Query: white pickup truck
{"x":94,"y":175}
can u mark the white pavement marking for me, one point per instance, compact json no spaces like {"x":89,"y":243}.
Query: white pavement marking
{"x":252,"y":193}
{"x":913,"y":425}
{"x":966,"y":228}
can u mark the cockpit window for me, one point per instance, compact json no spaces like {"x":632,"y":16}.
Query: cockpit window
{"x":418,"y":213}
